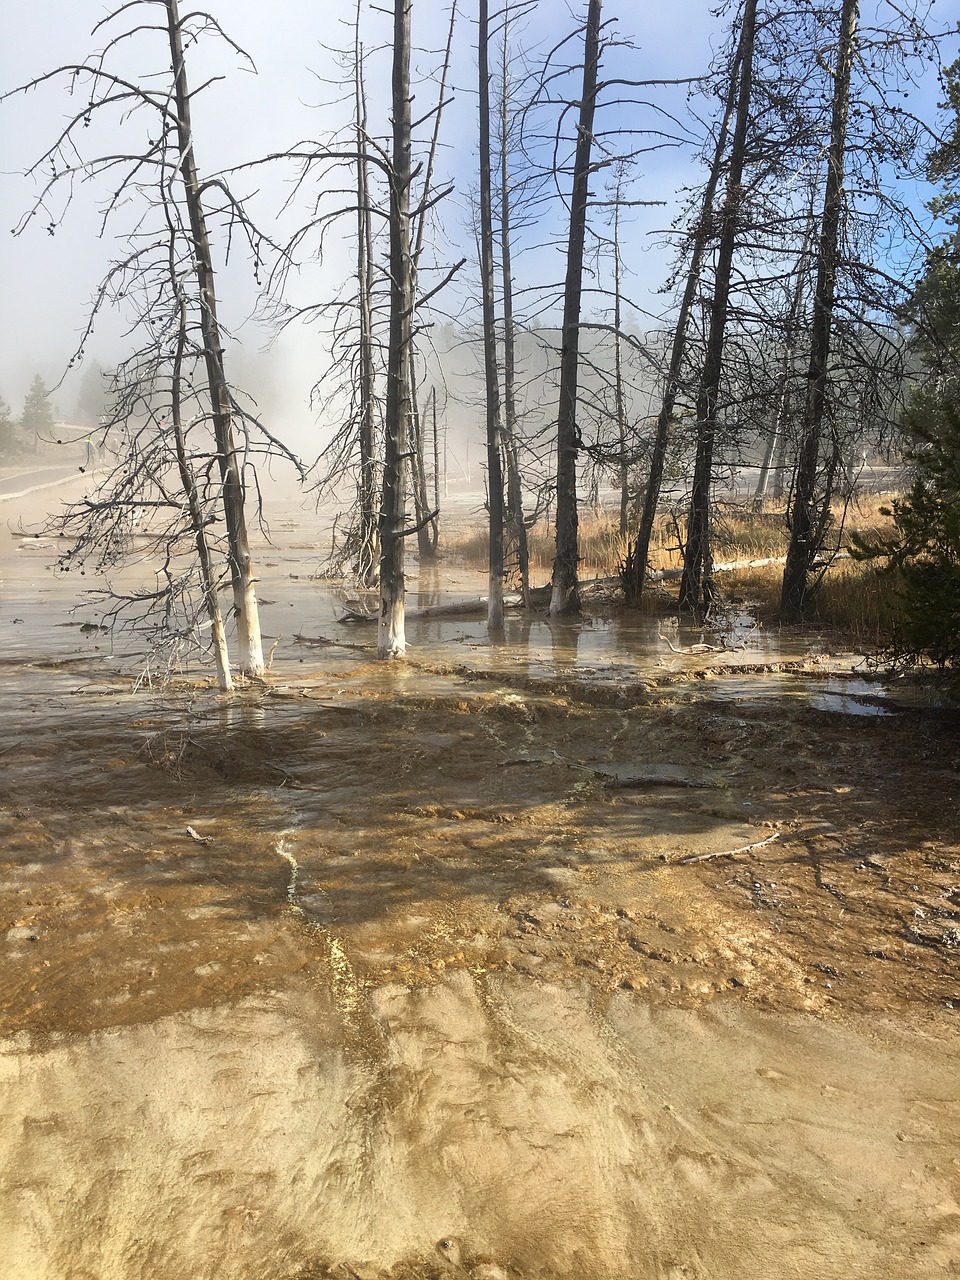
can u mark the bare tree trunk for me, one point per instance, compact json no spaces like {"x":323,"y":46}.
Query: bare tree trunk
{"x":775,"y":439}
{"x":808,"y":517}
{"x":231,"y":477}
{"x":638,"y":558}
{"x":565,"y":595}
{"x":696,"y":585}
{"x":436,"y":449}
{"x":516,"y":522}
{"x":198,"y":522}
{"x":619,"y":399}
{"x":391,"y":641}
{"x":426,"y":519}
{"x":367,"y":557}
{"x":491,"y":373}
{"x":780,"y":469}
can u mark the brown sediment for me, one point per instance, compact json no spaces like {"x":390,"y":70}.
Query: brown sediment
{"x":492,"y":829}
{"x":445,"y":971}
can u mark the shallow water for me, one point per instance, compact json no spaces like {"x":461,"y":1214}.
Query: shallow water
{"x":438,"y":969}
{"x":54,"y":618}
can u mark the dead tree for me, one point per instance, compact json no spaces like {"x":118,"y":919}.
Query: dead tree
{"x":617,"y":363}
{"x":391,"y":640}
{"x":367,"y":557}
{"x":229,"y":458}
{"x":365,"y":345}
{"x":514,"y":517}
{"x":350,"y":391}
{"x":426,"y":517}
{"x":620,"y":400}
{"x":195,"y":505}
{"x":495,"y":504}
{"x":776,"y":439}
{"x":696,"y":584}
{"x":634,"y":570}
{"x":407,"y":237}
{"x":565,"y":592}
{"x":180,"y":469}
{"x":593,"y":150}
{"x":807,"y":518}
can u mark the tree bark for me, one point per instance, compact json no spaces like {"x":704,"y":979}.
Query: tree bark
{"x":391,"y":640}
{"x":427,"y":521}
{"x":620,"y":406}
{"x":638,"y":558}
{"x":515,"y":519}
{"x":565,"y":595}
{"x":231,"y":478}
{"x":491,"y":373}
{"x":696,"y":585}
{"x":366,"y":564}
{"x":775,"y":440}
{"x":198,"y":521}
{"x":425,"y":517}
{"x":807,"y":516}
{"x":436,"y":449}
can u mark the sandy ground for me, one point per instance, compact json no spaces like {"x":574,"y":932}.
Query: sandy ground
{"x":433,"y":971}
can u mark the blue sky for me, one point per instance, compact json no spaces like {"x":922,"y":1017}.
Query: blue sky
{"x":48,"y":280}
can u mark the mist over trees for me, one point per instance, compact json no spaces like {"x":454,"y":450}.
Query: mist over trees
{"x":486,"y":223}
{"x":177,"y":467}
{"x":36,"y":421}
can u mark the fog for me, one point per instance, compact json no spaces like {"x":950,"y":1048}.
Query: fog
{"x":51,"y":274}
{"x":291,"y":90}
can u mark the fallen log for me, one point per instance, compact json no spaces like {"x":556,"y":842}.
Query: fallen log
{"x":477,"y":605}
{"x":726,"y":853}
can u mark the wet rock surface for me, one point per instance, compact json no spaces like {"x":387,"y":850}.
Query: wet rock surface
{"x":483,"y":1127}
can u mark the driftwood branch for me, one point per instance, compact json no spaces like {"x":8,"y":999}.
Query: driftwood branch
{"x":726,"y":853}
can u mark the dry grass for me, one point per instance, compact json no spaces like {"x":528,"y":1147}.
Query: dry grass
{"x":602,"y":549}
{"x":860,"y":600}
{"x":741,"y":533}
{"x":856,"y":599}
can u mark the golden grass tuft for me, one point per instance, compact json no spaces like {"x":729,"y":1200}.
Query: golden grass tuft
{"x":854,"y":598}
{"x":602,"y":549}
{"x":860,"y":600}
{"x":857,"y":599}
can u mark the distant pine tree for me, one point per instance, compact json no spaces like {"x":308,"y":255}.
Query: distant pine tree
{"x":9,"y":436}
{"x":36,"y":422}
